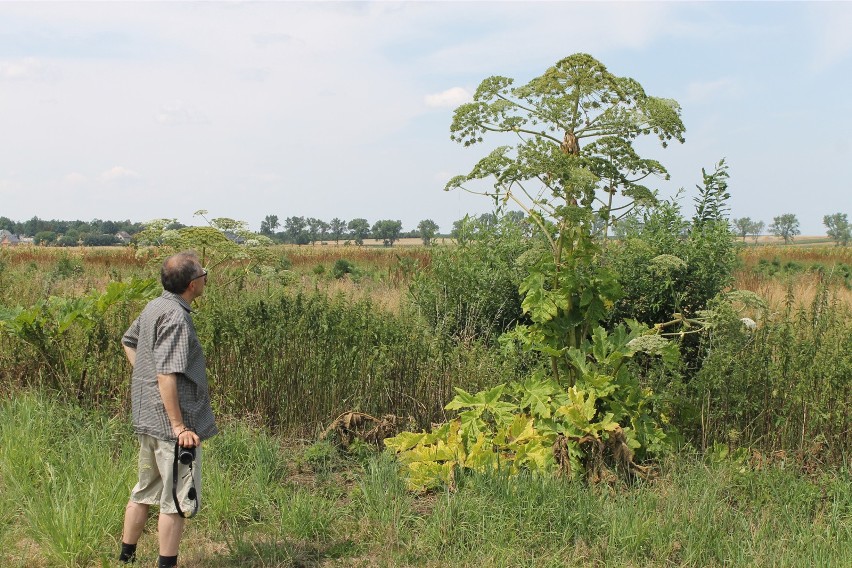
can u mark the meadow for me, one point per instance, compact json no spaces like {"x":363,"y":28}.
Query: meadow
{"x":757,"y":475}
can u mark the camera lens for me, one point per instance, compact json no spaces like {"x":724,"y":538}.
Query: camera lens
{"x":186,"y":455}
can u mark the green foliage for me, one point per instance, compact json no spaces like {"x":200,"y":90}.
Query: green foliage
{"x":471,"y":290}
{"x":427,"y":229}
{"x":518,"y":427}
{"x":267,"y":355}
{"x":783,"y":385}
{"x":744,"y":226}
{"x":322,"y":456}
{"x":711,"y":203}
{"x":64,"y":477}
{"x":838,"y":228}
{"x":360,"y":230}
{"x":63,"y":332}
{"x":576,"y":125}
{"x":730,"y":508}
{"x":668,"y":266}
{"x":341,"y":268}
{"x":269,"y":224}
{"x":387,"y":231}
{"x":785,"y":226}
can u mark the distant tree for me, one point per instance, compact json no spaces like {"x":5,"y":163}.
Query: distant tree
{"x":359,"y":229}
{"x":387,"y":231}
{"x":269,"y":224}
{"x":7,"y":224}
{"x":295,"y":230}
{"x":69,"y":239}
{"x":517,"y":217}
{"x":33,"y":226}
{"x":427,"y":229}
{"x":99,"y":240}
{"x":756,"y":230}
{"x":742,"y":226}
{"x":322,"y":230}
{"x":785,"y":226}
{"x":336,"y":229}
{"x":317,"y":230}
{"x":44,"y":238}
{"x":838,"y":228}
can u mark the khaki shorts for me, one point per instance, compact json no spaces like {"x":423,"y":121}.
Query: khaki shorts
{"x":156,"y":460}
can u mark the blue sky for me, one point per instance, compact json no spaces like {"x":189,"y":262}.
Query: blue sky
{"x":149,"y":110}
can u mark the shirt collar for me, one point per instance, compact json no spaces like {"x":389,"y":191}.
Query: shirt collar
{"x":177,"y":298}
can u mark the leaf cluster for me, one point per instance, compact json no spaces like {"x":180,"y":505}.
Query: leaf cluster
{"x":515,"y":427}
{"x":575,"y":127}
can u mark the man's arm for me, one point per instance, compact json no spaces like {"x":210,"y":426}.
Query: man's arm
{"x":131,"y":354}
{"x":169,"y":394}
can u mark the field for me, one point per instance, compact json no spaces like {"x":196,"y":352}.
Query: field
{"x":757,"y":473}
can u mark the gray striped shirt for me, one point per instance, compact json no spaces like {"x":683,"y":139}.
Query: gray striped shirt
{"x":165,"y":342}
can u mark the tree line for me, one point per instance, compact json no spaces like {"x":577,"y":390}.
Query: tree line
{"x":309,"y":230}
{"x":96,"y":232}
{"x":300,"y":230}
{"x":786,"y":226}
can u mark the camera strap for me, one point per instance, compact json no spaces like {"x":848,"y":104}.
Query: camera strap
{"x":191,"y":494}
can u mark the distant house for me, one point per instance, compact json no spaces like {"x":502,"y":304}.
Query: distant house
{"x":123,"y":236}
{"x":234,"y":238}
{"x":7,"y":239}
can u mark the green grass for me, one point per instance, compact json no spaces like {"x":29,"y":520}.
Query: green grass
{"x":65,"y":475}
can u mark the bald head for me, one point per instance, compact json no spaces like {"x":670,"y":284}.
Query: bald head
{"x":179,"y":270}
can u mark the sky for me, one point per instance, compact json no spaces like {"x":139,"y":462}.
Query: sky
{"x":148,"y":110}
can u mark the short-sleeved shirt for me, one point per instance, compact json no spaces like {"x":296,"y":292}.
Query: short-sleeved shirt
{"x":165,"y":341}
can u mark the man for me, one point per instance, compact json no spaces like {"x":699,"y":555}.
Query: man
{"x":171,"y":403}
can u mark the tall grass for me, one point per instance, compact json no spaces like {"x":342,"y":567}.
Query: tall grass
{"x":785,"y":387}
{"x":262,"y":506}
{"x":269,"y":349}
{"x":64,"y":478}
{"x":268,"y":356}
{"x":694,"y":514}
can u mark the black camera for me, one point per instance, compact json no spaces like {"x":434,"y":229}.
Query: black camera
{"x":186,"y":455}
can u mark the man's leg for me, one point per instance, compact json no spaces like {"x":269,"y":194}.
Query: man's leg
{"x":134,"y":522}
{"x":170,"y":527}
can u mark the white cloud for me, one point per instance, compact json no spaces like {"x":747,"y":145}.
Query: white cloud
{"x":118,"y":174}
{"x":725,"y":88}
{"x":177,"y":112}
{"x":75,"y":178}
{"x":29,"y":68}
{"x":451,"y":98}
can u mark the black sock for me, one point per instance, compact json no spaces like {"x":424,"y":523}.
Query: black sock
{"x":167,"y":561}
{"x":128,"y":553}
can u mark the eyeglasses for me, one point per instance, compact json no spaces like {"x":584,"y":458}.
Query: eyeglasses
{"x":202,"y":275}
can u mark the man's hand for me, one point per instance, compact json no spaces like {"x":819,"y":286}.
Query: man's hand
{"x":186,"y":438}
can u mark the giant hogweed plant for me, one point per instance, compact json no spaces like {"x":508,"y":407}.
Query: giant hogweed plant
{"x":216,"y":243}
{"x":575,"y":127}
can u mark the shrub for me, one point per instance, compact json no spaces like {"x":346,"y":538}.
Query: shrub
{"x":471,"y":290}
{"x":341,"y":268}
